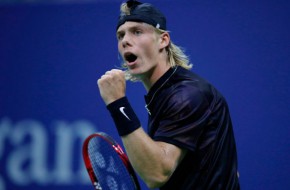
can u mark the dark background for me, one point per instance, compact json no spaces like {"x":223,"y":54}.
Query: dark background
{"x":53,"y":52}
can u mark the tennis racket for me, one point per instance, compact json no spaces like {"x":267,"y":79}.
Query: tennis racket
{"x":107,"y":164}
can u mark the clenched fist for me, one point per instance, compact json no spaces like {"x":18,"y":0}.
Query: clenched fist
{"x":112,"y":85}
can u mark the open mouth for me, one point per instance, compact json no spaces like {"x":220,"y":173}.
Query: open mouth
{"x":130,"y":57}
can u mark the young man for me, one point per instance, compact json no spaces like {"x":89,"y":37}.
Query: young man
{"x":190,"y":142}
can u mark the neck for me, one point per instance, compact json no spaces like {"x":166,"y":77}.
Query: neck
{"x":155,"y":74}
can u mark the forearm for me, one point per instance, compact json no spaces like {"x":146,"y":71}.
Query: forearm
{"x":154,"y":161}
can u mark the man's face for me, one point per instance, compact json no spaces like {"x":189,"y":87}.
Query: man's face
{"x":139,"y":47}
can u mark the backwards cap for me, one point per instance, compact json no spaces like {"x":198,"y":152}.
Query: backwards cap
{"x":143,"y":12}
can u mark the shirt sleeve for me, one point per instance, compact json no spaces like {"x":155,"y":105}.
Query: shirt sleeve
{"x":184,"y":118}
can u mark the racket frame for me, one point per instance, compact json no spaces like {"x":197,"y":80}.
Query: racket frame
{"x":118,"y":150}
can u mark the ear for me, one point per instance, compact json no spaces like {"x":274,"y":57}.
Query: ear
{"x":164,"y":40}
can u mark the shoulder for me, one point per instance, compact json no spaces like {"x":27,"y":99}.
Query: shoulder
{"x":189,"y":89}
{"x":188,"y":97}
{"x":185,"y":99}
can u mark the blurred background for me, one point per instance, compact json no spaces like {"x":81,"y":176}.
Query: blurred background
{"x":53,"y":52}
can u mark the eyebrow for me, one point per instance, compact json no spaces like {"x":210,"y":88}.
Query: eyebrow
{"x":134,"y":27}
{"x":129,"y":28}
{"x":119,"y":32}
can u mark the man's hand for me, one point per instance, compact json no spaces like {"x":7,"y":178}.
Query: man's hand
{"x":112,"y":85}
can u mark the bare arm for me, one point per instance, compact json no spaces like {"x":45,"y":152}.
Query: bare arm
{"x":154,"y":161}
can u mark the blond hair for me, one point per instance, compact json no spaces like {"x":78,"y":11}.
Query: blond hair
{"x":176,"y":55}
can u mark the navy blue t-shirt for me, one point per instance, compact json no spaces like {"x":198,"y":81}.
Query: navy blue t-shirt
{"x":187,"y":111}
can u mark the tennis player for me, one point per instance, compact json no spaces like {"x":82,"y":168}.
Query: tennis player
{"x":190,"y":141}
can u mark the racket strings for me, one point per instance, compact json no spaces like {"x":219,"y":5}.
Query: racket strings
{"x":109,"y":168}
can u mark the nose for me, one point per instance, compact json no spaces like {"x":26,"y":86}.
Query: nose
{"x":126,"y":41}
